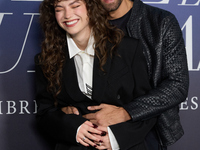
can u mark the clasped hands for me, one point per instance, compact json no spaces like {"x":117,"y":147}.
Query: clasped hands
{"x":94,"y":132}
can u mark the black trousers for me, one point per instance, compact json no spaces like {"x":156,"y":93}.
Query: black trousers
{"x":152,"y":141}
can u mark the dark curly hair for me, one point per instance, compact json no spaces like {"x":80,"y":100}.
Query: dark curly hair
{"x":52,"y":57}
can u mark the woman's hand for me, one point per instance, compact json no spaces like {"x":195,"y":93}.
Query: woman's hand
{"x":87,"y":134}
{"x":105,"y":141}
{"x":99,"y":136}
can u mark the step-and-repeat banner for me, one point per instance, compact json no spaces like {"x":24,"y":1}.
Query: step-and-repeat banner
{"x":20,"y":38}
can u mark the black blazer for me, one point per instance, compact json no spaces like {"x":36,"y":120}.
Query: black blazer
{"x":124,"y":79}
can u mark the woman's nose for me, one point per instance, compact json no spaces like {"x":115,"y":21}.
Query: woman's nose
{"x":68,"y":13}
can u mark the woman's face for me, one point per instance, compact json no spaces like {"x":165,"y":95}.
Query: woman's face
{"x":71,"y":15}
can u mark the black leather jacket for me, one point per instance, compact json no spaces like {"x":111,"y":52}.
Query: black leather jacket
{"x":165,"y":52}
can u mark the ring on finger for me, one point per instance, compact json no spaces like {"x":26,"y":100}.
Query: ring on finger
{"x":84,"y":138}
{"x":99,"y":143}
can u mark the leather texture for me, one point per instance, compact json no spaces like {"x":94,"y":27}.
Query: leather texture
{"x":165,"y":53}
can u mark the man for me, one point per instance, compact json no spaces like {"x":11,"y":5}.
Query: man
{"x":164,"y":49}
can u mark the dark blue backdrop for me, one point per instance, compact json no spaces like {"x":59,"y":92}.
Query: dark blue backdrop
{"x":20,"y":38}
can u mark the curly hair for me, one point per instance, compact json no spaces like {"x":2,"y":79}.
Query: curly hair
{"x":52,"y":57}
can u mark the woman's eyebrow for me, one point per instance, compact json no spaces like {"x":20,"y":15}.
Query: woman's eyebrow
{"x":76,"y":1}
{"x":57,"y":6}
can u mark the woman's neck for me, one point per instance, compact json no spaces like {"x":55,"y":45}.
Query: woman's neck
{"x":82,"y":39}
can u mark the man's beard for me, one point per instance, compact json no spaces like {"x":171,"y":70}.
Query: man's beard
{"x":112,"y":7}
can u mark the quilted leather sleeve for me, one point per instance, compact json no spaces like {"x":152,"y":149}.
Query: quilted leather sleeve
{"x":169,"y":73}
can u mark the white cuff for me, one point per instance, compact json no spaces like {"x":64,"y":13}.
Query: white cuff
{"x":77,"y":133}
{"x":113,"y":142}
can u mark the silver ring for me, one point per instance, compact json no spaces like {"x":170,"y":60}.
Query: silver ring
{"x":99,"y":143}
{"x":84,"y":138}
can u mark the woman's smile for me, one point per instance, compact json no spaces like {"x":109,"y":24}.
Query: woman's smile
{"x":71,"y":23}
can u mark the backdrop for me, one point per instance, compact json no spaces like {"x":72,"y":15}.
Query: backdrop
{"x":20,"y":38}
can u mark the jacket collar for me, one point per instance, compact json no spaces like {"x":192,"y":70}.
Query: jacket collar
{"x":136,"y":16}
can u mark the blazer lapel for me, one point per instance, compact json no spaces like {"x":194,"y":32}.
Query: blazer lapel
{"x":100,"y":79}
{"x":71,"y":81}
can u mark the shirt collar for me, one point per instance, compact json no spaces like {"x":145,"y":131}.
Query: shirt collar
{"x":74,"y":50}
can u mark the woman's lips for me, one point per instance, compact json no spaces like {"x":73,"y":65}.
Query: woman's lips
{"x":71,"y":23}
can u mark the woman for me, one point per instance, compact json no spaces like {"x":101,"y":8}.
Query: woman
{"x":84,"y":62}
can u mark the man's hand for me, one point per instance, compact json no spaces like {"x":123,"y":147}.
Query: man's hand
{"x":107,"y":115}
{"x":70,"y":110}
